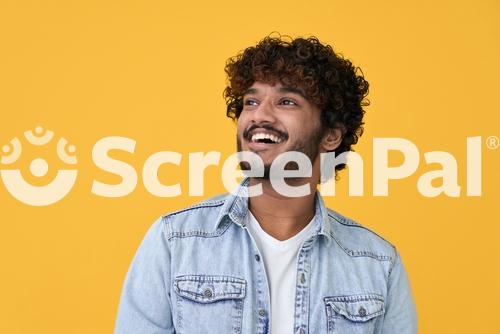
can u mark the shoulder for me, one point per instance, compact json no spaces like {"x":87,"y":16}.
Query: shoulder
{"x":359,"y":241}
{"x":200,"y":218}
{"x":202,"y":206}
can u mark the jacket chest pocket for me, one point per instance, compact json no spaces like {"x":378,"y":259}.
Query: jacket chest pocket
{"x":209,"y":304}
{"x":354,"y":314}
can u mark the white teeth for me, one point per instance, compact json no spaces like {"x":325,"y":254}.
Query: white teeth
{"x":259,"y":136}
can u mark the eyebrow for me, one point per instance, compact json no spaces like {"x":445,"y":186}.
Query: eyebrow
{"x":283,"y":89}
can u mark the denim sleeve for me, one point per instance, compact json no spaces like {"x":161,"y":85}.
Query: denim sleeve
{"x":400,"y":313}
{"x":145,"y":302}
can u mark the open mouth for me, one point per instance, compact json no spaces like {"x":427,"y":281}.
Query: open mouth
{"x":265,"y":138}
{"x":260,"y":135}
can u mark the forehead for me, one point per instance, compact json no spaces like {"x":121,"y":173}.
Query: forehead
{"x":263,"y":87}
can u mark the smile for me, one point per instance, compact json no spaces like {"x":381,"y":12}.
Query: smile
{"x":266,"y":138}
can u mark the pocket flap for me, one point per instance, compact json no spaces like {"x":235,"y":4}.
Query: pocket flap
{"x":357,"y":307}
{"x":209,"y":288}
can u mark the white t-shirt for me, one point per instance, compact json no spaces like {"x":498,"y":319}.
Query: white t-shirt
{"x":280,"y":261}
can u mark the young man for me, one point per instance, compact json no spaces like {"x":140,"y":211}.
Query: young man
{"x":272,"y":263}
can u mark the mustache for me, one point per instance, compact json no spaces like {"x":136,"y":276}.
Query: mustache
{"x":281,"y":134}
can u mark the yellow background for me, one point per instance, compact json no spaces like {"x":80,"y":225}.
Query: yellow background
{"x":153,"y":71}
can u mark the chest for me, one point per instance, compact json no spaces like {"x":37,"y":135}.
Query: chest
{"x":223,"y":284}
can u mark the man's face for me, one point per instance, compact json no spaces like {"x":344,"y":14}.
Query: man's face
{"x":277,"y":119}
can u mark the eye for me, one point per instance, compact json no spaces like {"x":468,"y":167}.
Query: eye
{"x":249,"y":102}
{"x":288,"y":102}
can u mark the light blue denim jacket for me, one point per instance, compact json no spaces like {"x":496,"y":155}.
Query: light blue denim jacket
{"x":198,"y":270}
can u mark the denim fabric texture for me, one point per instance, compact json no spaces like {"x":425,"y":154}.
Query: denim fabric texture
{"x":198,"y":270}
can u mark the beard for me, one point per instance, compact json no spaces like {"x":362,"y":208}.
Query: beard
{"x":309,"y":146}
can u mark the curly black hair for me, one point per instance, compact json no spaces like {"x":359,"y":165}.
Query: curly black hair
{"x":328,"y":80}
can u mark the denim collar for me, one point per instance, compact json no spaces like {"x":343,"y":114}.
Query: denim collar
{"x":236,"y":207}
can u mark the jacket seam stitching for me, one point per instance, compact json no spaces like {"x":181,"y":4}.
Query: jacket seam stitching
{"x":355,"y":224}
{"x":194,"y":207}
{"x":202,"y":234}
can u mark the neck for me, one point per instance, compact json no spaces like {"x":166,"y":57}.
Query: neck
{"x":281,"y":216}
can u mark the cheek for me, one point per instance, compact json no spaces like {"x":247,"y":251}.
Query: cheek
{"x":242,"y":123}
{"x":303,"y":131}
{"x":240,"y":128}
{"x":295,"y":127}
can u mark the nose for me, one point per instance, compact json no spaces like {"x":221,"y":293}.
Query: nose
{"x":264,"y":113}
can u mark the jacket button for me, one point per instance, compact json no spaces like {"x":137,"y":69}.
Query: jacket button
{"x":302,"y":278}
{"x":257,"y":257}
{"x":362,"y":311}
{"x":207,"y":293}
{"x":262,"y":312}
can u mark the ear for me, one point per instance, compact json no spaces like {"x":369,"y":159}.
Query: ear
{"x":332,"y":139}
